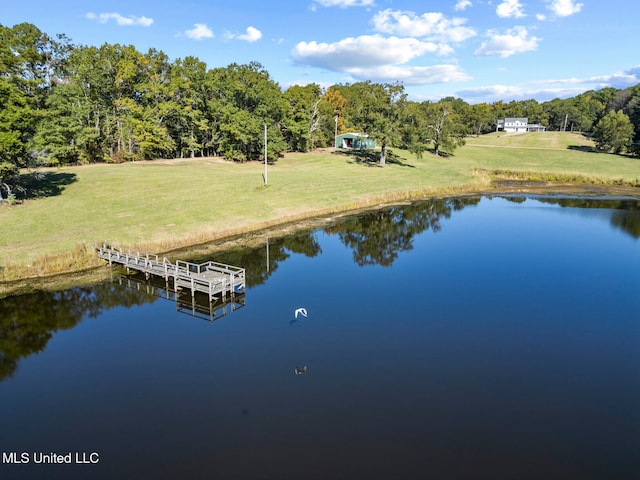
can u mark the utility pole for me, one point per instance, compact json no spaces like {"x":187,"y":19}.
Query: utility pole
{"x":335,"y":138}
{"x":265,"y":155}
{"x":566,"y":117}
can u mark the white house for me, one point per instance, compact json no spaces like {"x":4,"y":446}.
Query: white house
{"x":518,"y":125}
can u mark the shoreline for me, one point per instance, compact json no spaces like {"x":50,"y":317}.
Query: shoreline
{"x":86,"y":275}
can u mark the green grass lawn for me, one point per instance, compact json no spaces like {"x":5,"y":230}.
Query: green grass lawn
{"x":165,"y":204}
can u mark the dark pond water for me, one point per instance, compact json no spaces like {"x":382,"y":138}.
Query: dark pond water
{"x":475,"y":338}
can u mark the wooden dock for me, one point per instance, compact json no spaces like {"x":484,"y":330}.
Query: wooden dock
{"x":217,"y":280}
{"x":198,"y":305}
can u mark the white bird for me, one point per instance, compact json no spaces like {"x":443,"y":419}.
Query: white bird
{"x":301,"y":371}
{"x":300,"y":311}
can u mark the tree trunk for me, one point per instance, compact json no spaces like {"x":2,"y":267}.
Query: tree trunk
{"x":383,"y":155}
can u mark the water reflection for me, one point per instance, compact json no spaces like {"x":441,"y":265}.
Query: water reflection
{"x":261,"y":263}
{"x":198,"y":305}
{"x":509,"y":346}
{"x":377,"y":238}
{"x":625,"y":213}
{"x":28,"y":322}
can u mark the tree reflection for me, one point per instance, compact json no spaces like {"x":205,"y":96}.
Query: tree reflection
{"x":625,"y":214}
{"x":259,"y":263}
{"x":377,"y":238}
{"x":28,"y":322}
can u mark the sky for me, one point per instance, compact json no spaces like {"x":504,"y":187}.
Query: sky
{"x":477,"y":50}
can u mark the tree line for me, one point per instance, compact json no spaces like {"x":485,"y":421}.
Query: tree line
{"x":62,"y":103}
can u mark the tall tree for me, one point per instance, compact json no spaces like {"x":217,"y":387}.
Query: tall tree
{"x":189,"y":114}
{"x":15,"y":131}
{"x":614,"y":132}
{"x":332,"y":114}
{"x":31,"y":63}
{"x":445,"y":128}
{"x":414,"y":127}
{"x":32,"y":60}
{"x":480,"y":119}
{"x":378,"y":113}
{"x":303,"y":125}
{"x":249,"y":99}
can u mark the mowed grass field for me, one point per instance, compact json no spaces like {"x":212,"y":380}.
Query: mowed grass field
{"x":166,"y":204}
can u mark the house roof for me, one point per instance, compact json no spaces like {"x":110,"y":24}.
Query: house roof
{"x":353,"y":134}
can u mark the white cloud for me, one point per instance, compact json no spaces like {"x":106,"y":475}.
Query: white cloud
{"x":345,"y":3}
{"x":410,"y":75}
{"x":543,"y":90}
{"x":619,"y":80}
{"x":513,"y":41}
{"x":366,"y":51}
{"x":121,"y":20}
{"x":541,"y":17}
{"x":493,"y":93}
{"x":433,"y":26}
{"x":462,"y":5}
{"x":378,"y":58}
{"x":510,"y":9}
{"x":564,"y":8}
{"x":252,"y":35}
{"x":199,"y":32}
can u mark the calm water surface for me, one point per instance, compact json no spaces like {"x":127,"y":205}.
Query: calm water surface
{"x":477,"y":338}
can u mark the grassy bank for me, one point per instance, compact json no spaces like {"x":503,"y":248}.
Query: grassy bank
{"x":162,"y":205}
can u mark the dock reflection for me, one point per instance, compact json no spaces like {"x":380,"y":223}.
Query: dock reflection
{"x":197,"y":305}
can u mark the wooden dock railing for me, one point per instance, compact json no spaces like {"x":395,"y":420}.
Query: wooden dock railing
{"x":213,"y":278}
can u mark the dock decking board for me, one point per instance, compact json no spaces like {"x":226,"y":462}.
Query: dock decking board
{"x":212,"y":278}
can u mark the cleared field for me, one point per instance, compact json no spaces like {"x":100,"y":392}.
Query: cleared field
{"x":543,"y":140}
{"x":167,"y":204}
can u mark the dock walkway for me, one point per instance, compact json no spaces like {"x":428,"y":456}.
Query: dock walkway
{"x":217,"y":280}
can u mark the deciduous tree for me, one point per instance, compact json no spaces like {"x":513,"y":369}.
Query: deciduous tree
{"x":614,"y":132}
{"x":445,"y":128}
{"x":378,"y":113}
{"x":303,"y":124}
